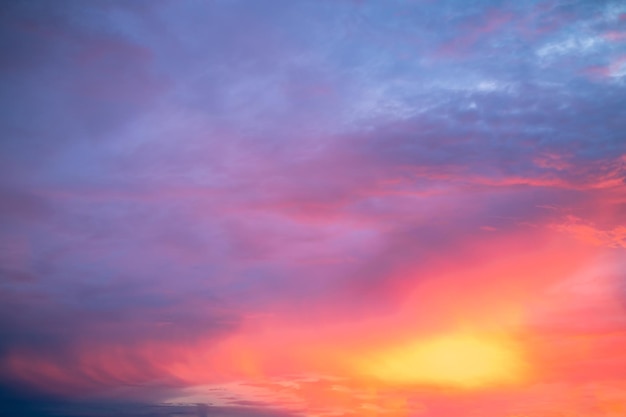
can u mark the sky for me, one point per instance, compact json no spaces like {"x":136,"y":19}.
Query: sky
{"x":313,"y":208}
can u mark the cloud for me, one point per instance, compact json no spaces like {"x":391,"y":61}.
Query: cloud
{"x":612,"y":238}
{"x":200,"y":193}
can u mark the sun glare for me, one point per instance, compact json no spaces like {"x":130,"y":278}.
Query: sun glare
{"x":457,"y":360}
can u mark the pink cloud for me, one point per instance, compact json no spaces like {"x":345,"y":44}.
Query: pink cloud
{"x":587,"y":232}
{"x":475,"y":32}
{"x":615,"y":36}
{"x":614,"y":69}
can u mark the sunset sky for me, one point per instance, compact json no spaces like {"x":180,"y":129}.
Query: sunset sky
{"x":313,"y":208}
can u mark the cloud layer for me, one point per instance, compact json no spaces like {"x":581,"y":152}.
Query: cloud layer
{"x":234,"y":204}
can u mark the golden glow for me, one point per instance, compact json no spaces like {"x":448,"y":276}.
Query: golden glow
{"x":458,"y":360}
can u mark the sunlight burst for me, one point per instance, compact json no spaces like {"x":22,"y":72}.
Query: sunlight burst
{"x":458,"y":360}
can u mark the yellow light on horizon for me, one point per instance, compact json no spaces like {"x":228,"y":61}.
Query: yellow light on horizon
{"x":458,"y":360}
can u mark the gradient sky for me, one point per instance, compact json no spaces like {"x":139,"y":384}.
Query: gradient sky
{"x":313,"y":208}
